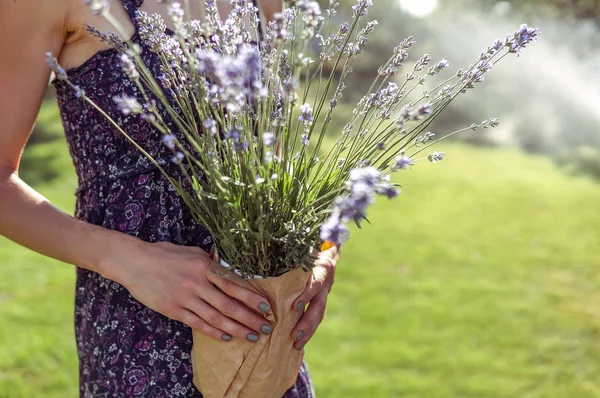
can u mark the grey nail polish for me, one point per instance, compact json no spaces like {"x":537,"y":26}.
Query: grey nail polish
{"x":252,"y":337}
{"x":300,"y":305}
{"x":301,"y":346}
{"x":266,"y":329}
{"x":226,"y":337}
{"x":299,"y":335}
{"x":264,"y":307}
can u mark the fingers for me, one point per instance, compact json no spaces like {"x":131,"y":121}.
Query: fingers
{"x":251,"y":299}
{"x":321,"y":278}
{"x":227,"y":310}
{"x":197,"y":323}
{"x":217,"y":320}
{"x":311,"y":319}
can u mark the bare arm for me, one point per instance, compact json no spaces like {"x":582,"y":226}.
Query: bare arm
{"x":167,"y":278}
{"x":29,"y":29}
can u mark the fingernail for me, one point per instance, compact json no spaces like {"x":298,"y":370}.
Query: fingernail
{"x":252,"y":337}
{"x":301,"y":346}
{"x":264,"y":307}
{"x":300,"y":305}
{"x":226,"y":337}
{"x":266,"y":329}
{"x":299,"y":335}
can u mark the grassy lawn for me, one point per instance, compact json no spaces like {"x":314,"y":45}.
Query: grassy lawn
{"x":481,"y":280}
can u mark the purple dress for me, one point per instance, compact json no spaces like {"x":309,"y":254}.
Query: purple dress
{"x":126,"y":349}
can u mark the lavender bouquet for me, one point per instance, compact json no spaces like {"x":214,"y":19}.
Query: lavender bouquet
{"x":248,"y":125}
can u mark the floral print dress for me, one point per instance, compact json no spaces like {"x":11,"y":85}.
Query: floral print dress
{"x":126,"y":349}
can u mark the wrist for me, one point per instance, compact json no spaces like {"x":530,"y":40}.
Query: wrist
{"x":115,"y":256}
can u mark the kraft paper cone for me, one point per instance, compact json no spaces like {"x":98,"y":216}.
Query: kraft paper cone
{"x":265,"y":369}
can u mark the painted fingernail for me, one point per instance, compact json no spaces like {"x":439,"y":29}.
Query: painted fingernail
{"x":300,"y":305}
{"x":299,"y":335}
{"x":252,"y":337}
{"x":266,"y":329}
{"x":301,"y":346}
{"x":226,"y":337}
{"x":264,"y":308}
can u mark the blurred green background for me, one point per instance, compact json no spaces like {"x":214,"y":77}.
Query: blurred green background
{"x":481,"y":280}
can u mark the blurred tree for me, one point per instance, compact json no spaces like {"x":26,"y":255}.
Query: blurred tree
{"x":588,"y":9}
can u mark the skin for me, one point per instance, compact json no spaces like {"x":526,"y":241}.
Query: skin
{"x":165,"y":277}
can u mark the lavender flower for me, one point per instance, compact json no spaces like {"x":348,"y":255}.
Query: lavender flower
{"x":402,"y":162}
{"x":55,"y":67}
{"x":439,"y":67}
{"x":169,"y":141}
{"x":129,"y":67}
{"x":333,"y":6}
{"x":176,"y":13}
{"x":177,"y":158}
{"x":388,"y":190}
{"x":362,"y":7}
{"x":312,"y":17}
{"x":210,"y":125}
{"x":304,"y":139}
{"x":521,"y":38}
{"x":306,"y":116}
{"x":269,"y":138}
{"x":334,"y":230}
{"x":235,"y":136}
{"x":435,"y":157}
{"x":234,"y":80}
{"x":367,"y":175}
{"x":128,"y":105}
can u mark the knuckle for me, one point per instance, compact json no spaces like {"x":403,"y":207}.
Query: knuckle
{"x":198,"y":324}
{"x":215,"y":319}
{"x":229,"y":307}
{"x":228,"y":286}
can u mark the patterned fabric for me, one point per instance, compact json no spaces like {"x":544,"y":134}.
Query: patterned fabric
{"x":125,"y":349}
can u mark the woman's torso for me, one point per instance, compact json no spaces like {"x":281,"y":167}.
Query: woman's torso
{"x":125,"y":349}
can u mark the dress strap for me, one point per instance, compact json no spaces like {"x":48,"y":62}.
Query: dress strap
{"x":131,"y":7}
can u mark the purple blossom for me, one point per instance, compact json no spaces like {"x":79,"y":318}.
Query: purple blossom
{"x":210,"y":125}
{"x":235,"y":136}
{"x":521,"y":38}
{"x":439,"y":67}
{"x":367,"y":175}
{"x":362,"y":7}
{"x":334,"y":230}
{"x":402,"y":162}
{"x":176,"y":12}
{"x":304,"y":139}
{"x":269,"y":138}
{"x":129,"y":67}
{"x":388,"y":190}
{"x":233,"y":80}
{"x":306,"y":116}
{"x":177,"y":158}
{"x":128,"y":105}
{"x":55,"y":67}
{"x":435,"y":157}
{"x":169,"y":140}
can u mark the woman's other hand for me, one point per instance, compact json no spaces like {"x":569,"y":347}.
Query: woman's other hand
{"x":315,"y":295}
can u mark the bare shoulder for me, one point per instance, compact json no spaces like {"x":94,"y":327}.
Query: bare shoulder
{"x":33,"y":14}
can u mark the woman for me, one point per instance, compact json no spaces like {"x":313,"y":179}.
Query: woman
{"x":141,"y":259}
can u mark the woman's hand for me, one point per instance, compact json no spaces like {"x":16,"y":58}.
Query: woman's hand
{"x":315,"y":295}
{"x":174,"y":281}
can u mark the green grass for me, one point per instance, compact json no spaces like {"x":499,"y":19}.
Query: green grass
{"x":481,"y":280}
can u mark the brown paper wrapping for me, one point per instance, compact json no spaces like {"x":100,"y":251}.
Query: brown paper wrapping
{"x":265,"y":369}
